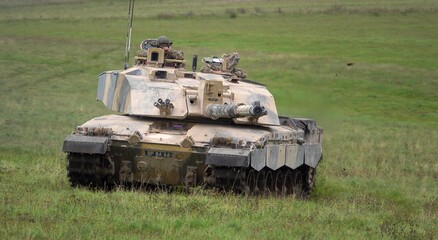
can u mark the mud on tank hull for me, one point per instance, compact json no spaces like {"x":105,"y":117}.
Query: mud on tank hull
{"x":129,"y":150}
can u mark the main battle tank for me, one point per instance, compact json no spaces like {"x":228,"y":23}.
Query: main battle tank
{"x":187,"y":128}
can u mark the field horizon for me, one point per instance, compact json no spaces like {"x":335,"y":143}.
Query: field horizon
{"x":365,"y":71}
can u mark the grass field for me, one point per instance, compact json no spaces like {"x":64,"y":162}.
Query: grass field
{"x":379,"y":176}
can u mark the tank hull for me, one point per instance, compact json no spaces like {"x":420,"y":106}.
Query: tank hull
{"x":128,"y":150}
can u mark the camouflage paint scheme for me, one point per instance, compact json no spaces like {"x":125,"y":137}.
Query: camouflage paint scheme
{"x":170,"y":133}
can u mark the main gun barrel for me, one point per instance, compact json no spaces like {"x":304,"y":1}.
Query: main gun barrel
{"x":215,"y":111}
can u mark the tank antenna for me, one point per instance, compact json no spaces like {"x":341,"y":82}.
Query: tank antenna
{"x":129,"y":31}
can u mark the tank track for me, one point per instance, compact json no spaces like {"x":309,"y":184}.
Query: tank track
{"x":281,"y":182}
{"x":96,"y":171}
{"x":90,"y":170}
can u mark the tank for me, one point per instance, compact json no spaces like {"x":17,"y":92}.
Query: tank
{"x":182,"y":128}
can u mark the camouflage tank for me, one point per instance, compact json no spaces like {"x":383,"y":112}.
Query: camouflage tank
{"x":187,"y":128}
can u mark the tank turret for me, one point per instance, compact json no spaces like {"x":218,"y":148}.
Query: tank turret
{"x":136,"y":91}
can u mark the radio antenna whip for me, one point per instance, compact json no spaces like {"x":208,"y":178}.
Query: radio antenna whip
{"x":128,"y":33}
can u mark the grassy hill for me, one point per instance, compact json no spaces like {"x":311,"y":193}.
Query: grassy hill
{"x":365,"y":70}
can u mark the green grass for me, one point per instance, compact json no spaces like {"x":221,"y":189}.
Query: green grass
{"x":380,"y":115}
